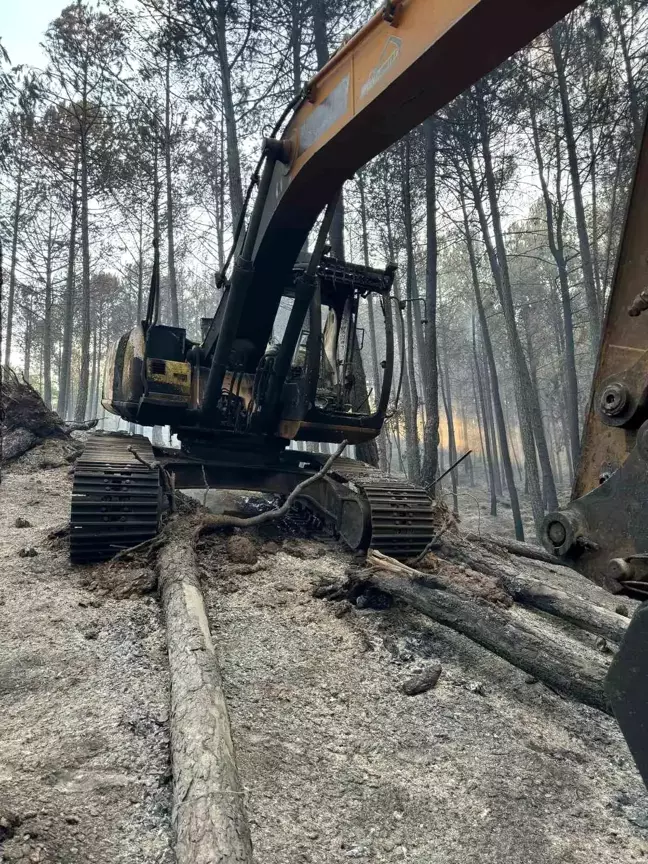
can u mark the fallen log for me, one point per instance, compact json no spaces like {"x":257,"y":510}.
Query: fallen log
{"x":571,"y":671}
{"x":542,"y":590}
{"x":515,"y":547}
{"x":208,"y":810}
{"x":595,"y":619}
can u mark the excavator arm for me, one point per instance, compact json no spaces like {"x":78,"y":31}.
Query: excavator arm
{"x":408,"y":61}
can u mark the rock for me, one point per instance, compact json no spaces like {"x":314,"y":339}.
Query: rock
{"x":357,"y":852}
{"x":241,"y":550}
{"x":270,"y":548}
{"x":27,"y":552}
{"x":91,"y":633}
{"x":477,"y":687}
{"x":423,"y":681}
{"x":603,"y":646}
{"x":638,"y":817}
{"x":22,"y":523}
{"x":8,"y":824}
{"x":71,"y":819}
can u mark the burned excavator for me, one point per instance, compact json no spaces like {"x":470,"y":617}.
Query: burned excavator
{"x":238,"y":398}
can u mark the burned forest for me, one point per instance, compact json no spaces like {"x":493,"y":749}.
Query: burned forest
{"x":323,"y":431}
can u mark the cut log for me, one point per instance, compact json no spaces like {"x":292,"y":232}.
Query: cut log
{"x":515,"y":547}
{"x":495,"y":561}
{"x":569,"y":670}
{"x":594,"y":619}
{"x":208,"y":808}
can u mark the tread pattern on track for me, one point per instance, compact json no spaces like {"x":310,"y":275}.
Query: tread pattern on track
{"x":115,"y":498}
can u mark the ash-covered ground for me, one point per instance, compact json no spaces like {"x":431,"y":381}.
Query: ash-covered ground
{"x":338,"y":763}
{"x":84,"y":766}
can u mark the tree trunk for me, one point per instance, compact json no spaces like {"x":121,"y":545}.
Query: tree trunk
{"x":564,"y":666}
{"x":173,"y":286}
{"x":557,"y":249}
{"x":635,"y":112}
{"x":65,"y":384}
{"x":492,"y":368}
{"x":468,"y":463}
{"x":485,"y":465}
{"x":377,"y":384}
{"x":140,"y":268}
{"x":208,"y":814}
{"x":82,"y":393}
{"x":233,"y":155}
{"x":29,"y":331}
{"x":444,"y":380}
{"x":487,"y":432}
{"x":431,"y":429}
{"x":529,"y":400}
{"x":47,"y":322}
{"x":13,"y":262}
{"x":557,"y":36}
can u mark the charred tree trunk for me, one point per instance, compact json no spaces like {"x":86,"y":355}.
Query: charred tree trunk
{"x":47,"y":321}
{"x":557,"y":249}
{"x":487,"y":432}
{"x":530,"y":400}
{"x":492,"y":369}
{"x":431,"y":430}
{"x":233,"y":155}
{"x":68,"y":303}
{"x":173,"y":286}
{"x":557,"y":40}
{"x":444,"y":379}
{"x":84,"y":371}
{"x":15,"y":226}
{"x":377,"y":384}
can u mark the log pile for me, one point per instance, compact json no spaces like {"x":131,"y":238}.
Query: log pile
{"x":477,"y":588}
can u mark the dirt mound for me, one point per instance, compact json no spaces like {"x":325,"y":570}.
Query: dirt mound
{"x":28,"y":423}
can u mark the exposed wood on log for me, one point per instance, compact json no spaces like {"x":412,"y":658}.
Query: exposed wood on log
{"x":594,"y":619}
{"x":592,"y":614}
{"x":515,"y":547}
{"x":208,"y":808}
{"x":573,"y":672}
{"x":584,"y":598}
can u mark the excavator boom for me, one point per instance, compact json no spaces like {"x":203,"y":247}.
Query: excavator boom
{"x":408,"y":61}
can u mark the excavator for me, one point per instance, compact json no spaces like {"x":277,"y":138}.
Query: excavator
{"x":236,"y":399}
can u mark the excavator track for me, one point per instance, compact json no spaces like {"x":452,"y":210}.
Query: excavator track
{"x":115,"y":497}
{"x":402,"y":514}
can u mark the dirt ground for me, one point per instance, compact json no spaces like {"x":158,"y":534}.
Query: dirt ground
{"x":84,"y":772}
{"x":338,"y":763}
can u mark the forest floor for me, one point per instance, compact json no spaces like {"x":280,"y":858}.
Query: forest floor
{"x":474,"y":510}
{"x":84,"y":773}
{"x":336,"y":761}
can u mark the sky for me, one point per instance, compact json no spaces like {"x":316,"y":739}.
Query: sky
{"x":22,"y":27}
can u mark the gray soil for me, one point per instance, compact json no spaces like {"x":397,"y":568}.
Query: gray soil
{"x":338,"y":763}
{"x":84,"y":773}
